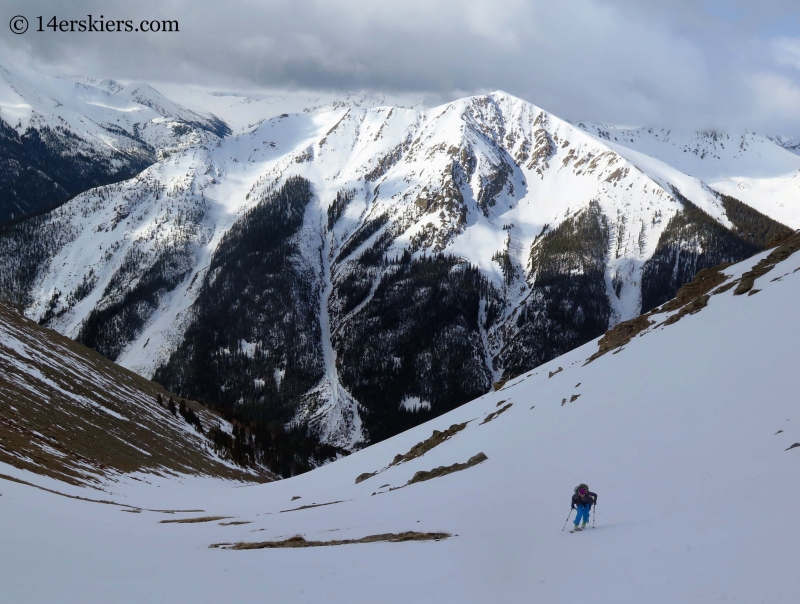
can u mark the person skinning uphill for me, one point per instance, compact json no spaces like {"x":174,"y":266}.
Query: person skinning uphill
{"x":583,"y":500}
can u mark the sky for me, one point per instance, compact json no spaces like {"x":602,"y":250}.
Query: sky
{"x":710,"y":64}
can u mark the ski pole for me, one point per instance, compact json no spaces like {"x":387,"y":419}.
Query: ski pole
{"x":567,"y":520}
{"x":594,"y":517}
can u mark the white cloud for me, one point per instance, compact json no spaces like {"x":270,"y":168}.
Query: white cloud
{"x":685,"y":62}
{"x":787,"y":51}
{"x":777,"y":97}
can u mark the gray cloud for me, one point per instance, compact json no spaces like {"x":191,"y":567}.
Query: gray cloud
{"x":711,"y":63}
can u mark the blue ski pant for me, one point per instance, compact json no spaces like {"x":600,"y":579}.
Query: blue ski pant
{"x":583,"y":512}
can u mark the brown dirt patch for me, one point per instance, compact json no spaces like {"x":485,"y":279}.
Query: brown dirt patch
{"x":421,"y":448}
{"x":703,"y":282}
{"x":788,"y":247}
{"x":364,"y":476}
{"x":422,"y":475}
{"x":691,"y":298}
{"x":621,"y":334}
{"x":434,"y":440}
{"x":308,"y":507}
{"x":499,"y":385}
{"x":694,"y":296}
{"x":68,"y":413}
{"x":494,"y":414}
{"x":723,"y":288}
{"x":194,"y":520}
{"x":298,"y":541}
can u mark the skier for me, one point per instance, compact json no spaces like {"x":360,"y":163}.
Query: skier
{"x":582,"y":500}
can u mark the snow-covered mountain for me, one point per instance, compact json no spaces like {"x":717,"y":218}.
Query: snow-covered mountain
{"x":760,"y":170}
{"x":686,"y":428}
{"x":62,"y":136}
{"x":243,"y":111}
{"x":362,"y":269}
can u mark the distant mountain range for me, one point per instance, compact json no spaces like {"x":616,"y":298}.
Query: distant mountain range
{"x":360,"y":268}
{"x":60,"y":137}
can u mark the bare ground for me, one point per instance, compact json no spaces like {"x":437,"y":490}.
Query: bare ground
{"x":298,"y":541}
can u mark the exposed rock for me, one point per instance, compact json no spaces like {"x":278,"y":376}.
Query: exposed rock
{"x":621,"y":334}
{"x":364,"y":476}
{"x":704,"y":281}
{"x":308,"y":507}
{"x":298,"y":541}
{"x":434,"y":440}
{"x":494,"y":414}
{"x":692,"y":240}
{"x":499,"y":385}
{"x":422,"y":475}
{"x":789,"y":246}
{"x":194,"y":520}
{"x":691,"y":298}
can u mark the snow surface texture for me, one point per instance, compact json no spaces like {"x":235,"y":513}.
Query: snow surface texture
{"x":685,"y":434}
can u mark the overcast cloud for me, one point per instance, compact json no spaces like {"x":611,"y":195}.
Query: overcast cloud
{"x":704,"y":63}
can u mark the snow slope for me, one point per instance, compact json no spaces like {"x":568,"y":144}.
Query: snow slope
{"x":762,"y":171}
{"x":685,"y":433}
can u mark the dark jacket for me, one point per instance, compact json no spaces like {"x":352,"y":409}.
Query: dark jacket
{"x":588,"y":499}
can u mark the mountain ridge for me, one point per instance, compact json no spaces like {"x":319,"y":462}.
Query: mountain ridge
{"x":60,"y":136}
{"x":401,"y":207}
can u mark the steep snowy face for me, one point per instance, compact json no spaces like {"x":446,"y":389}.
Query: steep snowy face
{"x":59,"y":137}
{"x":363,"y":269}
{"x":762,"y":171}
